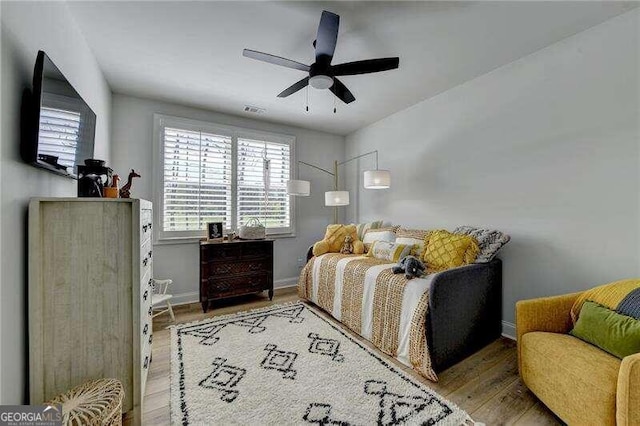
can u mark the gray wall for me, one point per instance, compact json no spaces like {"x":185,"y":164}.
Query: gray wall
{"x":545,"y":148}
{"x":26,"y":28}
{"x":133,"y":148}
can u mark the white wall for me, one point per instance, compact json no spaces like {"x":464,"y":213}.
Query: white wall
{"x":26,"y":28}
{"x":545,"y":148}
{"x":133,"y":148}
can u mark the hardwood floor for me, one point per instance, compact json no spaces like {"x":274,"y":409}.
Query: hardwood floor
{"x":486,"y":384}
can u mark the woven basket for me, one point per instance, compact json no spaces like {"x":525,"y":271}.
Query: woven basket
{"x":252,"y":230}
{"x":98,"y":402}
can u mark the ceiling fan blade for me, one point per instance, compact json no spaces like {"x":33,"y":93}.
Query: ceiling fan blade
{"x":294,"y":88}
{"x":327,"y":37}
{"x":275,"y":60}
{"x":341,"y":91}
{"x":366,"y":66}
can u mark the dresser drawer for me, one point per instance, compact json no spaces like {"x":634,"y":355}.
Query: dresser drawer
{"x":240,"y":267}
{"x":258,"y":249}
{"x":220,"y":252}
{"x":146,"y":225}
{"x":146,"y":258}
{"x":238,"y":284}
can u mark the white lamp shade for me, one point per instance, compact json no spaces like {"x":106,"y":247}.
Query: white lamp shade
{"x":377,"y":179}
{"x":299,"y":187}
{"x":336,"y":198}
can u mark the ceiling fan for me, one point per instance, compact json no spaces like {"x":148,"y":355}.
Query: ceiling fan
{"x":322,"y":75}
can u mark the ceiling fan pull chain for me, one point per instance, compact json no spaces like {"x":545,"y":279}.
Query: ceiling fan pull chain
{"x":334,"y":105}
{"x":307,"y":98}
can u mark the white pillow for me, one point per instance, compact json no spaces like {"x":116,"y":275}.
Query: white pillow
{"x":415,"y":237}
{"x":380,"y":234}
{"x":362,"y":228}
{"x":392,"y":252}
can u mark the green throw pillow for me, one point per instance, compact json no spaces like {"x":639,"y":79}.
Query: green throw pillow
{"x":610,"y":331}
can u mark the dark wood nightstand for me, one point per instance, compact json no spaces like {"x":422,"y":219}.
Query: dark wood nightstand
{"x":235,"y":268}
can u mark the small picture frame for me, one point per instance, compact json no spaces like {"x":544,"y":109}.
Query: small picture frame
{"x":215,"y":231}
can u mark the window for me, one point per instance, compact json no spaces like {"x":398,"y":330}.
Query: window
{"x":212,"y":173}
{"x":58,"y":135}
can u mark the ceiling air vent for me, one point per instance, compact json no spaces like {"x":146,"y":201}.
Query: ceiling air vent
{"x":254,"y":109}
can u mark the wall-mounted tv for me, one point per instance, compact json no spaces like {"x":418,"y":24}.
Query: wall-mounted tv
{"x":61,"y":131}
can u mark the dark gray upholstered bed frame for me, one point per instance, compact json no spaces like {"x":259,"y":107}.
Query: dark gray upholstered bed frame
{"x":465,"y":311}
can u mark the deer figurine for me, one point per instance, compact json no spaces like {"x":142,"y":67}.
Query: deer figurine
{"x":125,"y":191}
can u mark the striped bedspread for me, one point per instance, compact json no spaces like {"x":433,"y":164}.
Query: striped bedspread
{"x":363,"y":294}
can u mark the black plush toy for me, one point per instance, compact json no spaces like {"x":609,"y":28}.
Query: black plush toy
{"x":411,"y":266}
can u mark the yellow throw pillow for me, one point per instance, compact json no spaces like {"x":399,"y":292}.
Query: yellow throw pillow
{"x":445,"y":250}
{"x":334,"y":239}
{"x":392,"y":252}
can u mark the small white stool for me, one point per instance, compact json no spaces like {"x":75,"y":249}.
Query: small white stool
{"x":160,"y":296}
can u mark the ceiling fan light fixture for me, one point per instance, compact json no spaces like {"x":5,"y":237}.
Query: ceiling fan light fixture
{"x":321,"y":82}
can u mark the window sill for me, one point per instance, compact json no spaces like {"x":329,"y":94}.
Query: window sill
{"x":195,"y":240}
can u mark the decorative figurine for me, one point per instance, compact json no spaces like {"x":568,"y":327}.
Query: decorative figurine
{"x":112,"y":191}
{"x":347,"y":246}
{"x":125,"y":191}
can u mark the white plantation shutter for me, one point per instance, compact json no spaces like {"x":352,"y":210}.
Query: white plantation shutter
{"x":58,"y":134}
{"x":213,"y":173}
{"x":197,"y":179}
{"x":273,"y":212}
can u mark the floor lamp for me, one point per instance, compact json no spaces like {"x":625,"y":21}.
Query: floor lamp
{"x":373,"y":179}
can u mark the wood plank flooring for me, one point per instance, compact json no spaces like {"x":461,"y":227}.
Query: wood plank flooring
{"x":486,"y":384}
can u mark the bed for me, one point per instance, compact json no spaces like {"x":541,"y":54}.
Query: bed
{"x":427,"y":323}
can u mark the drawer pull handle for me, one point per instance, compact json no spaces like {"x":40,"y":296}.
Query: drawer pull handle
{"x":146,"y":362}
{"x":145,"y":295}
{"x":145,"y":329}
{"x":144,"y":228}
{"x":150,"y":310}
{"x":150,"y":253}
{"x":149,"y":225}
{"x":150,"y":338}
{"x":150,"y":282}
{"x":145,"y":261}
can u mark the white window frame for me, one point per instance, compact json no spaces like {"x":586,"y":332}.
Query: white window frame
{"x":160,"y":121}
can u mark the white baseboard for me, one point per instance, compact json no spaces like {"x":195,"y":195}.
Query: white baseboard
{"x":194,"y":296}
{"x":286,"y":282}
{"x":509,"y":330}
{"x":186,"y":298}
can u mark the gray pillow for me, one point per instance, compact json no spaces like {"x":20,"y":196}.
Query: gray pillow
{"x":489,"y":241}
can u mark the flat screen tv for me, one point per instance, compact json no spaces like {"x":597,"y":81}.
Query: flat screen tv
{"x":61,"y":131}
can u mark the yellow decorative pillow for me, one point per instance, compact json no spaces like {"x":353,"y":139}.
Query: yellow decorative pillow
{"x":445,"y":250}
{"x":334,"y":238}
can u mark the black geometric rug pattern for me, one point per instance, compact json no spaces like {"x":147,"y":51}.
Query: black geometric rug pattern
{"x":224,"y":378}
{"x":279,"y":360}
{"x":338,"y":377}
{"x":253,"y":324}
{"x":324,"y":346}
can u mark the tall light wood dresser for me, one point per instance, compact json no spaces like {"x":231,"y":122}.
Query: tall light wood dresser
{"x":90,"y":271}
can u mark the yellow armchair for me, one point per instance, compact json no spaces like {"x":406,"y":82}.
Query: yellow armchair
{"x":579,"y":382}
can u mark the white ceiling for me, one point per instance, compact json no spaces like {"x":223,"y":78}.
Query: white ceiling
{"x":191,"y":52}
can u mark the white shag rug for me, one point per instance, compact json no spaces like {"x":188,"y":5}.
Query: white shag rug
{"x":287,"y":365}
